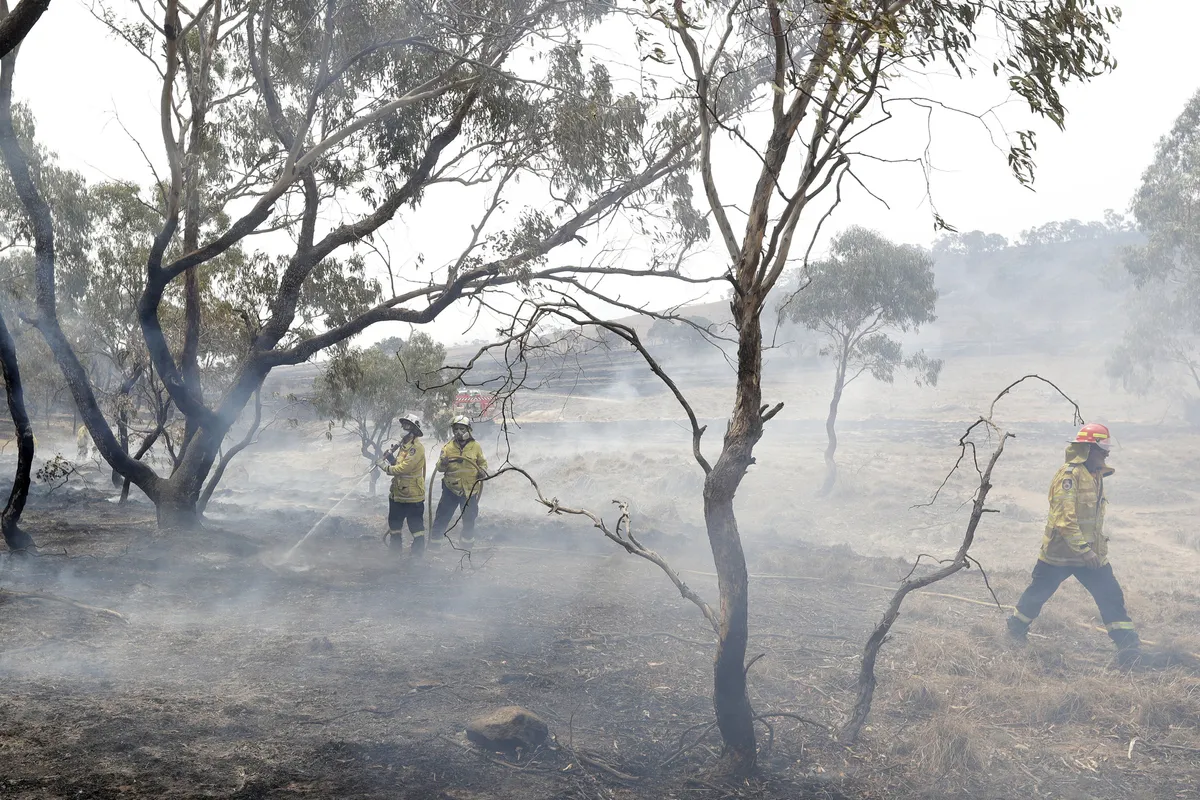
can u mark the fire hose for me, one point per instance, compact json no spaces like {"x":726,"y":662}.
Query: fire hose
{"x":429,"y":493}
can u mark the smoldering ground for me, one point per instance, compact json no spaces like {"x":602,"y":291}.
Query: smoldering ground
{"x":353,"y":673}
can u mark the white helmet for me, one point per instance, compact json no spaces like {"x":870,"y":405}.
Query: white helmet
{"x":461,"y":419}
{"x":412,"y":419}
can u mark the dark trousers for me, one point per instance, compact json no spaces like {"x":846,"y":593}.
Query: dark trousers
{"x":412,"y":513}
{"x":1100,"y":582}
{"x":447,"y":508}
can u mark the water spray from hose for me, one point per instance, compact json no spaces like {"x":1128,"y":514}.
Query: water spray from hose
{"x":287,"y":556}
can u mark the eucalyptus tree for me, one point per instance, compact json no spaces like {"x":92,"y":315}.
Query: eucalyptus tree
{"x":22,"y":356}
{"x":820,"y":74}
{"x":14,"y":26}
{"x":791,"y":88}
{"x":868,"y":287}
{"x":319,"y":123}
{"x":366,"y":389}
{"x":1164,"y":328}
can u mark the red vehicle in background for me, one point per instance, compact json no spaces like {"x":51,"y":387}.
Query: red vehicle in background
{"x":481,"y":407}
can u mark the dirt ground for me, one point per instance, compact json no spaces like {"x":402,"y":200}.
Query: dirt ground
{"x":349,"y":671}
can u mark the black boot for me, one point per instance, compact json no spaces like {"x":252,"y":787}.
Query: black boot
{"x":1129,"y":647}
{"x":418,"y":545}
{"x":1018,"y":630}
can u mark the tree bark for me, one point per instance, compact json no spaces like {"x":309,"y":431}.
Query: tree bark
{"x":42,"y":224}
{"x":123,"y":418}
{"x":143,"y":448}
{"x":179,"y":506}
{"x":14,"y":537}
{"x":229,"y":454}
{"x":189,"y":357}
{"x":16,"y":26}
{"x":735,"y":716}
{"x":839,"y":384}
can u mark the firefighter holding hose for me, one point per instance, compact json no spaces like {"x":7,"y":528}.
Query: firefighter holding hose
{"x":462,"y":465}
{"x":405,"y":462}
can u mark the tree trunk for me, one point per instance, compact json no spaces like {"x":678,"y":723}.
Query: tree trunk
{"x":372,"y":450}
{"x":122,"y":439}
{"x":17,"y":24}
{"x":177,"y":506}
{"x":735,"y":717}
{"x":123,"y":418}
{"x":42,"y":223}
{"x":839,"y":384}
{"x":182,"y":491}
{"x":143,"y":448}
{"x":246,"y":441}
{"x":14,"y":537}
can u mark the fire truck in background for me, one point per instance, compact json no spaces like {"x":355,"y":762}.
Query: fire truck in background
{"x":481,"y":407}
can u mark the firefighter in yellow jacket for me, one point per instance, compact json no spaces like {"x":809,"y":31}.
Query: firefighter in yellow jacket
{"x":83,"y":441}
{"x":462,"y":466}
{"x":1075,"y":544}
{"x":405,"y":462}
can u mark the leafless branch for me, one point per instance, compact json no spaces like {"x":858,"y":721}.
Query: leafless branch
{"x":622,"y":534}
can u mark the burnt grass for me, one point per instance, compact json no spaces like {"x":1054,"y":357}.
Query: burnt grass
{"x":351,"y":671}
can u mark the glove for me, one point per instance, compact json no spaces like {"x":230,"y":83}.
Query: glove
{"x":1090,"y":559}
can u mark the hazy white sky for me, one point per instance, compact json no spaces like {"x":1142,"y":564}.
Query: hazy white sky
{"x":84,"y":86}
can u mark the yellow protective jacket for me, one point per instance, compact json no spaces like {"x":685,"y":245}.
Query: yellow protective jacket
{"x":408,"y":481}
{"x":462,"y":466}
{"x":1076,"y":519}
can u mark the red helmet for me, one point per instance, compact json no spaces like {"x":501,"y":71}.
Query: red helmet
{"x":1095,"y":433}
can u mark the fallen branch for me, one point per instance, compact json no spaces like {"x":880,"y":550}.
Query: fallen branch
{"x":796,"y":717}
{"x":1157,"y":745}
{"x":497,"y":761}
{"x":9,"y":594}
{"x":592,"y":761}
{"x":683,"y":750}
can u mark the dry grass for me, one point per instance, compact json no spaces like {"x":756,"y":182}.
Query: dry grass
{"x":965,"y":708}
{"x":950,"y":744}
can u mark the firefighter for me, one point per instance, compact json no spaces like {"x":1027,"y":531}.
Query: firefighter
{"x":405,"y":462}
{"x":1075,"y":544}
{"x":462,"y":466}
{"x":83,"y":441}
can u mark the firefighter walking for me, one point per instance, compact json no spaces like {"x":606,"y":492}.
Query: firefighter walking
{"x":462,"y":465}
{"x":405,"y":462}
{"x":1075,"y":544}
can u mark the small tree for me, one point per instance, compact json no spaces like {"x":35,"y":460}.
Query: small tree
{"x":1164,"y":326}
{"x":867,"y":288}
{"x":366,"y":389}
{"x":1163,"y":335}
